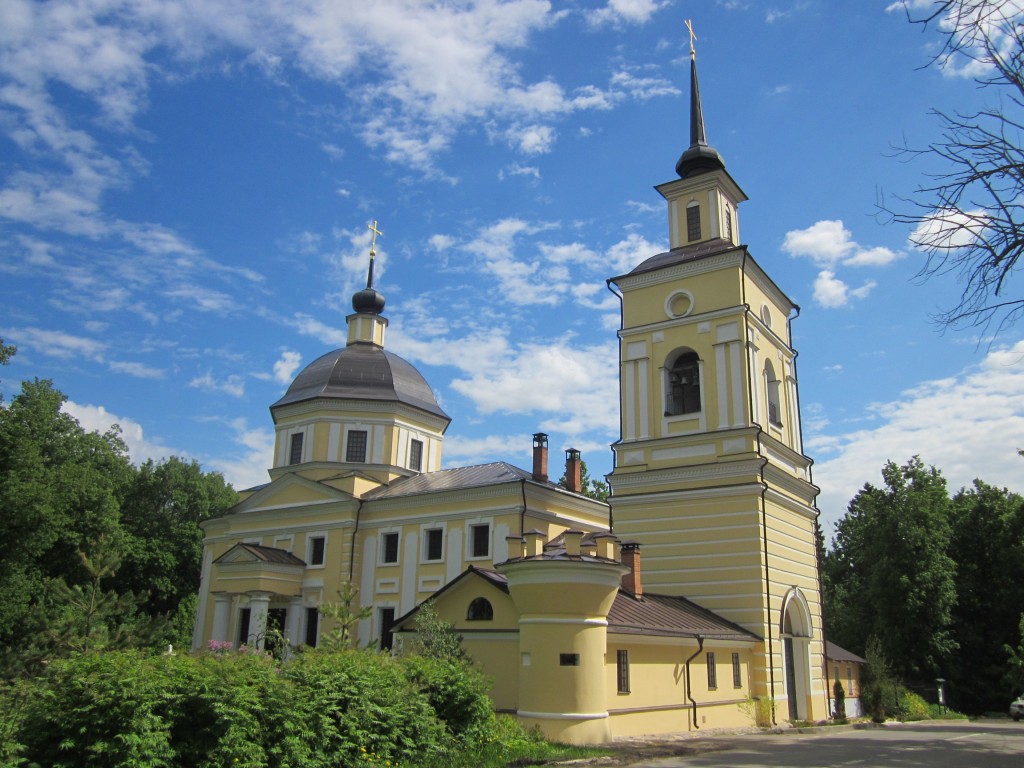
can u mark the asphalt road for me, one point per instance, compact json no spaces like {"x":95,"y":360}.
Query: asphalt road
{"x":949,"y":744}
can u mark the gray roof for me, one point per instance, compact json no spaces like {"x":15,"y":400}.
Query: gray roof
{"x":834,"y":653}
{"x":666,"y":615}
{"x":363,"y":371}
{"x":496,"y":473}
{"x":695,"y":252}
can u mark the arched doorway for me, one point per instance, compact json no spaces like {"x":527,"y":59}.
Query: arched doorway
{"x":796,"y":637}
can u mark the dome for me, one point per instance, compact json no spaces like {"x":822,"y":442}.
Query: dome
{"x":362,"y":372}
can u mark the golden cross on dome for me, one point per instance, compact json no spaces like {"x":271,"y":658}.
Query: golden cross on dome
{"x":373,"y":242}
{"x":693,"y":36}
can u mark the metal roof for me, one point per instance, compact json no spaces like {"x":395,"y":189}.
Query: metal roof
{"x":362,"y":371}
{"x":834,"y":653}
{"x":496,"y":473}
{"x":264,"y":554}
{"x":683,"y":254}
{"x":667,"y":615}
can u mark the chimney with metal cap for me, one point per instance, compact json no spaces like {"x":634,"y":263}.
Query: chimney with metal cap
{"x":540,"y":457}
{"x":572,"y":471}
{"x":631,"y":558}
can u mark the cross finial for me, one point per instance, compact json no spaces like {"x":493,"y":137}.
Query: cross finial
{"x":373,"y":242}
{"x":373,"y":251}
{"x":693,"y":36}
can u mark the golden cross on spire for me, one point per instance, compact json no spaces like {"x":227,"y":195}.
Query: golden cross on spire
{"x":373,"y":242}
{"x":693,"y":36}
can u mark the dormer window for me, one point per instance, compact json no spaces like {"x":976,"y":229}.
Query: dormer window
{"x":693,"y":222}
{"x":683,"y":395}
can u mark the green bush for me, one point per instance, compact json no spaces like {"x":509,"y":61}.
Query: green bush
{"x":912,"y":707}
{"x":457,"y":692}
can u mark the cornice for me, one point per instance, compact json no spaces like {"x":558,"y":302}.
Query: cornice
{"x":672,"y":272}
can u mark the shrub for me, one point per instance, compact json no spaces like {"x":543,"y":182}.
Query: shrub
{"x":840,"y":701}
{"x":759,"y":709}
{"x":457,"y":692}
{"x":359,"y":706}
{"x":912,"y":707}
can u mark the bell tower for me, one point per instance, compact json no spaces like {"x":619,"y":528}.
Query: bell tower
{"x":710,"y":475}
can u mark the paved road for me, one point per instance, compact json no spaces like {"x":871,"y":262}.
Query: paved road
{"x":951,"y":744}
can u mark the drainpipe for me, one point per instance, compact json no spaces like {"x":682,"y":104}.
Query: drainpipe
{"x":611,"y":491}
{"x":352,"y":549}
{"x":764,"y":490}
{"x":689,"y":695}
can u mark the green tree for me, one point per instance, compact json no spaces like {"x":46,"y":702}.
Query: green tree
{"x":987,"y":544}
{"x":437,"y":638}
{"x":1014,"y":676}
{"x":59,"y":491}
{"x":889,"y":574}
{"x":344,"y":615}
{"x":595,"y":489}
{"x":161,"y":511}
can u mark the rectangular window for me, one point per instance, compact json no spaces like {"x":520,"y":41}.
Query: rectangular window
{"x":568,"y":659}
{"x":712,"y":673}
{"x":622,"y":670}
{"x":737,"y":676}
{"x":416,"y":455}
{"x":295,"y":451}
{"x":356,"y":448}
{"x":693,"y":223}
{"x":433,"y":544}
{"x":480,"y":540}
{"x":849,"y":680}
{"x":389,"y":548}
{"x":317,"y":545}
{"x":387,"y":621}
{"x":728,"y":225}
{"x":312,"y":626}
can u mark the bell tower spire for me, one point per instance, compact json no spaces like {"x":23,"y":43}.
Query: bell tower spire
{"x":367,"y":325}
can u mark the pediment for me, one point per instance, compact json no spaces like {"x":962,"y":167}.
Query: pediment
{"x":292,"y":490}
{"x":255,"y":554}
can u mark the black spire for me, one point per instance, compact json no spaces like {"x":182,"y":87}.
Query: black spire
{"x":368,"y":300}
{"x":700,"y":157}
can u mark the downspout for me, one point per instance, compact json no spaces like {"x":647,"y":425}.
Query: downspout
{"x":522,"y":512}
{"x":611,"y":490}
{"x":764,"y":490}
{"x":817,"y":517}
{"x":352,"y":549}
{"x":689,"y":694}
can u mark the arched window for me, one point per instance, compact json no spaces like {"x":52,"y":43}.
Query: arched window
{"x":480,"y":610}
{"x":683,"y":385}
{"x":772,"y":387}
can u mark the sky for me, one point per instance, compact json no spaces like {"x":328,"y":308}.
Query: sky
{"x":186,"y":188}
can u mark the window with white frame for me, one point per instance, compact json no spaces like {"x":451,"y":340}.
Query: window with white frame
{"x":480,"y":540}
{"x":389,"y":547}
{"x":355,"y":448}
{"x":316,"y":549}
{"x":416,"y":455}
{"x":772,"y":389}
{"x":295,"y":448}
{"x":433,"y":544}
{"x":692,"y":222}
{"x":683,"y":395}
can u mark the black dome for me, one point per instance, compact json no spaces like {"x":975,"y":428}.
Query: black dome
{"x":368,"y":301}
{"x":362,"y":372}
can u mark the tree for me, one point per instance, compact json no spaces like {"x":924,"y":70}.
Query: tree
{"x":6,"y":352}
{"x":345,"y":615}
{"x":968,"y":217}
{"x":1014,"y":676}
{"x":59,"y":490}
{"x":161,"y":510}
{"x":889,"y":574}
{"x":437,"y":638}
{"x":595,"y":489}
{"x":987,"y":544}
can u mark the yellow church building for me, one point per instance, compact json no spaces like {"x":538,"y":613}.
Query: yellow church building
{"x":710,"y":484}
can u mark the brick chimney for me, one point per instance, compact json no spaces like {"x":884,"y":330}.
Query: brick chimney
{"x":572,"y":471}
{"x":631,"y":558}
{"x":540,"y":457}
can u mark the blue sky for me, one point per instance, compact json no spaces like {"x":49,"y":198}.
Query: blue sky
{"x":185,"y":189}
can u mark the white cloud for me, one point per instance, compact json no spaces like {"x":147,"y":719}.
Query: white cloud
{"x":630,"y":11}
{"x":828,"y":243}
{"x":138,"y":370}
{"x":248,"y":466}
{"x":331,"y":336}
{"x":829,"y":291}
{"x":969,"y":426}
{"x":285,"y":367}
{"x":234,"y":385}
{"x":533,"y":139}
{"x":96,"y":418}
{"x":55,"y":343}
{"x":202,"y":298}
{"x":949,"y":230}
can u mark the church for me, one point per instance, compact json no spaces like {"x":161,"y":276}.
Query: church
{"x":689,"y":600}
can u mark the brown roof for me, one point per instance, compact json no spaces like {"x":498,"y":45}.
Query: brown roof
{"x":666,"y":615}
{"x":685,"y":253}
{"x":265,"y":554}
